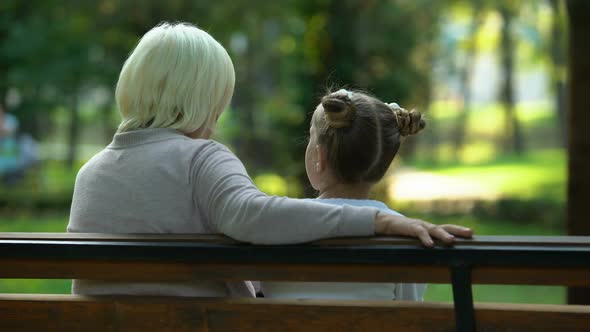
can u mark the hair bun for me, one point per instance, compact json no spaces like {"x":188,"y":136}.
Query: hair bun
{"x":339,"y":109}
{"x":409,"y":123}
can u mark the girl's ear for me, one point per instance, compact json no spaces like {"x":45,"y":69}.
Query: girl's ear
{"x":321,"y":157}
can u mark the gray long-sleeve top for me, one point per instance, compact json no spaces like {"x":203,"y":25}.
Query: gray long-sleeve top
{"x":160,"y":181}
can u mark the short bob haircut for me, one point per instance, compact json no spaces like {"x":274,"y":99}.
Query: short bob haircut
{"x":177,"y":77}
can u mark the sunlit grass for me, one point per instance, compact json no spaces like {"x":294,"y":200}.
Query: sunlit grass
{"x":539,"y":174}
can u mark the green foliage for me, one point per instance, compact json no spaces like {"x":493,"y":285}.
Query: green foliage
{"x":285,"y":54}
{"x":271,"y":184}
{"x":274,"y":184}
{"x":47,"y":187}
{"x":484,"y":132}
{"x":74,"y":48}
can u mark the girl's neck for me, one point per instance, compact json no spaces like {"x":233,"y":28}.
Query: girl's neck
{"x":346,"y":190}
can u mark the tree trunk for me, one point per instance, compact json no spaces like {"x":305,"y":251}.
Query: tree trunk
{"x":3,"y":91}
{"x":342,"y":57}
{"x":339,"y":56}
{"x":513,"y":140}
{"x":558,"y":61}
{"x":579,"y":135}
{"x":466,"y":73}
{"x":245,"y":102}
{"x":28,"y":113}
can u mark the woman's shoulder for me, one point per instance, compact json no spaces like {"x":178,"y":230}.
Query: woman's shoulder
{"x":202,"y":145}
{"x":188,"y":149}
{"x":206,"y":149}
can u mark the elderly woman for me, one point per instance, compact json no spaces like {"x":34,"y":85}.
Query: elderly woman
{"x":163,"y":174}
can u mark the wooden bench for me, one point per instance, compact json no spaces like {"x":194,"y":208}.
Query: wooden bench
{"x":483,"y":260}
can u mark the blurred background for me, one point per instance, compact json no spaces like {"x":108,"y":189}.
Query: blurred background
{"x":490,"y":76}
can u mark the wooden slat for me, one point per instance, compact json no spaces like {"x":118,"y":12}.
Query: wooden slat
{"x":77,"y":313}
{"x":381,"y":240}
{"x":108,"y":265}
{"x":157,"y":271}
{"x":171,"y":271}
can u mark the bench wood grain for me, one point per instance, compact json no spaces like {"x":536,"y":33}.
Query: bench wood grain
{"x":119,"y":313}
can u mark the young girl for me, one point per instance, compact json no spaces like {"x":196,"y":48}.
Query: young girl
{"x":353,"y":140}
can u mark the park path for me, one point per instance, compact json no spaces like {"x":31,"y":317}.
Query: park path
{"x":408,"y":184}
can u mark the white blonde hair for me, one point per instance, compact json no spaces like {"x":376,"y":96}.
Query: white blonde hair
{"x":177,"y":77}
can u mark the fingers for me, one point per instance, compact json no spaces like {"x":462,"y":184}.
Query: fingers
{"x":441,"y":233}
{"x":422,"y":233}
{"x":400,"y":225}
{"x":458,"y":230}
{"x":445,"y":233}
{"x":386,"y":224}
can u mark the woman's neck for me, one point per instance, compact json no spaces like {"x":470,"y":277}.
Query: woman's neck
{"x":346,"y":190}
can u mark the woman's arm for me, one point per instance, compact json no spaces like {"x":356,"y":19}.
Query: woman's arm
{"x":233,"y":205}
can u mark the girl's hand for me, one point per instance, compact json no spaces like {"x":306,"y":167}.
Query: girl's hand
{"x":388,"y":224}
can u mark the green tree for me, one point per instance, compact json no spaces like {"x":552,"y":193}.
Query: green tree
{"x":514,"y":140}
{"x":465,"y":74}
{"x":558,"y":65}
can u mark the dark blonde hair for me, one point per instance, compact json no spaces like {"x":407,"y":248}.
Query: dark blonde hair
{"x":362,"y":134}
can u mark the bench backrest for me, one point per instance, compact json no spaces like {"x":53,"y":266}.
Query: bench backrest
{"x":496,"y":260}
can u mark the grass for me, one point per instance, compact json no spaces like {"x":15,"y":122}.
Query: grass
{"x":35,"y":286}
{"x":500,"y":293}
{"x":27,"y":223}
{"x":535,"y":175}
{"x":52,"y":223}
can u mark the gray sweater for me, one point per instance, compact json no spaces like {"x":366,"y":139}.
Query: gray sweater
{"x":160,"y":181}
